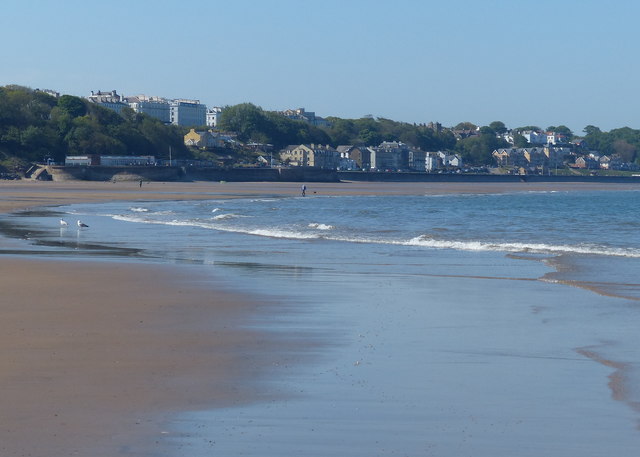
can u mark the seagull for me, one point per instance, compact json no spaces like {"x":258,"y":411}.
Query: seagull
{"x":63,"y":223}
{"x":82,"y":224}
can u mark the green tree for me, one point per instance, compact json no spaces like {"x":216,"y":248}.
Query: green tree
{"x":498,"y":127}
{"x":528,"y":128}
{"x":477,"y":150}
{"x":563,"y":130}
{"x":627,"y":152}
{"x":520,"y":141}
{"x":244,"y":119}
{"x":74,"y":106}
{"x":597,"y":140}
{"x":35,"y":126}
{"x":465,"y":126}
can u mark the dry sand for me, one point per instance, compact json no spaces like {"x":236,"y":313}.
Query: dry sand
{"x":96,"y":356}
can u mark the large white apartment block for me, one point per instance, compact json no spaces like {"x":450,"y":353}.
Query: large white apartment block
{"x":183,"y":112}
{"x":187,"y":112}
{"x":156,"y":107}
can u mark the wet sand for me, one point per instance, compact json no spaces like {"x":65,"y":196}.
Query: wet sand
{"x":97,"y":356}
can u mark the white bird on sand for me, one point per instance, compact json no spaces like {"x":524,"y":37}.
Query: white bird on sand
{"x":82,"y":224}
{"x":63,"y":223}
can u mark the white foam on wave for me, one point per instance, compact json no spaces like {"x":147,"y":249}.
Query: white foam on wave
{"x":537,"y":248}
{"x":281,"y":233}
{"x":424,"y":241}
{"x":139,"y":210}
{"x":318,"y":226}
{"x":266,"y":232}
{"x":222,"y":217}
{"x":138,"y":219}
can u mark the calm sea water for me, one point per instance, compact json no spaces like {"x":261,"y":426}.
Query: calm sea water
{"x":459,"y":324}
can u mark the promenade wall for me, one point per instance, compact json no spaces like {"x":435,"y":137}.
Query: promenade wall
{"x":150,"y":173}
{"x":298,"y":174}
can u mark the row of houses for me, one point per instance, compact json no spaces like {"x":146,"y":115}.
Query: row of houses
{"x":538,"y":138}
{"x":536,"y":157}
{"x":539,"y":159}
{"x":595,"y":161}
{"x":388,"y":156}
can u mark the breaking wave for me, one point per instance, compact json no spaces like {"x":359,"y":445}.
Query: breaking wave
{"x":316,"y":226}
{"x":227,"y":216}
{"x":536,"y":248}
{"x":424,"y":241}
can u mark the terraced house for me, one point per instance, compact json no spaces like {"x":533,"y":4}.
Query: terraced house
{"x":310,"y":155}
{"x":531,"y":158}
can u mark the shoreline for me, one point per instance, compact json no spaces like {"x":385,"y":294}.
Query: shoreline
{"x":16,"y":195}
{"x":81,"y":375}
{"x":92,"y":369}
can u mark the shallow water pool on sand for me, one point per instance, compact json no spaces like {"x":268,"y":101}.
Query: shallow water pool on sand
{"x":433,"y":366}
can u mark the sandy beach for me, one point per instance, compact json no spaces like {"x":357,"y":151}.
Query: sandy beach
{"x":97,"y":356}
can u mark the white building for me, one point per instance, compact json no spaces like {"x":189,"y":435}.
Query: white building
{"x":53,"y":93}
{"x":187,"y":112}
{"x":212,"y":116}
{"x":432,"y":161}
{"x":156,"y":107}
{"x":74,"y":161}
{"x":450,"y":160}
{"x":535,"y":137}
{"x":109,"y":100}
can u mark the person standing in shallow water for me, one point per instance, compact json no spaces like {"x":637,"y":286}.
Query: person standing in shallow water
{"x":304,"y":190}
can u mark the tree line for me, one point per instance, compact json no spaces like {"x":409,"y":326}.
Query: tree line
{"x":35,"y":126}
{"x":252,"y":123}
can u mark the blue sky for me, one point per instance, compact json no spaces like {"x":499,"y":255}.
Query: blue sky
{"x":526,"y":62}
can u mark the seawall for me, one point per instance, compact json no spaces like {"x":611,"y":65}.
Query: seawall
{"x":150,"y":173}
{"x":298,"y":174}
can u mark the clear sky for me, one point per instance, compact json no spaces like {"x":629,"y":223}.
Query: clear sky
{"x":523,"y":62}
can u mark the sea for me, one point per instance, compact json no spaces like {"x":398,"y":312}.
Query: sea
{"x":485,"y":324}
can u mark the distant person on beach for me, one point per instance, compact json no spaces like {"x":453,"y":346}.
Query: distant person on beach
{"x":141,"y":183}
{"x":304,"y":190}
